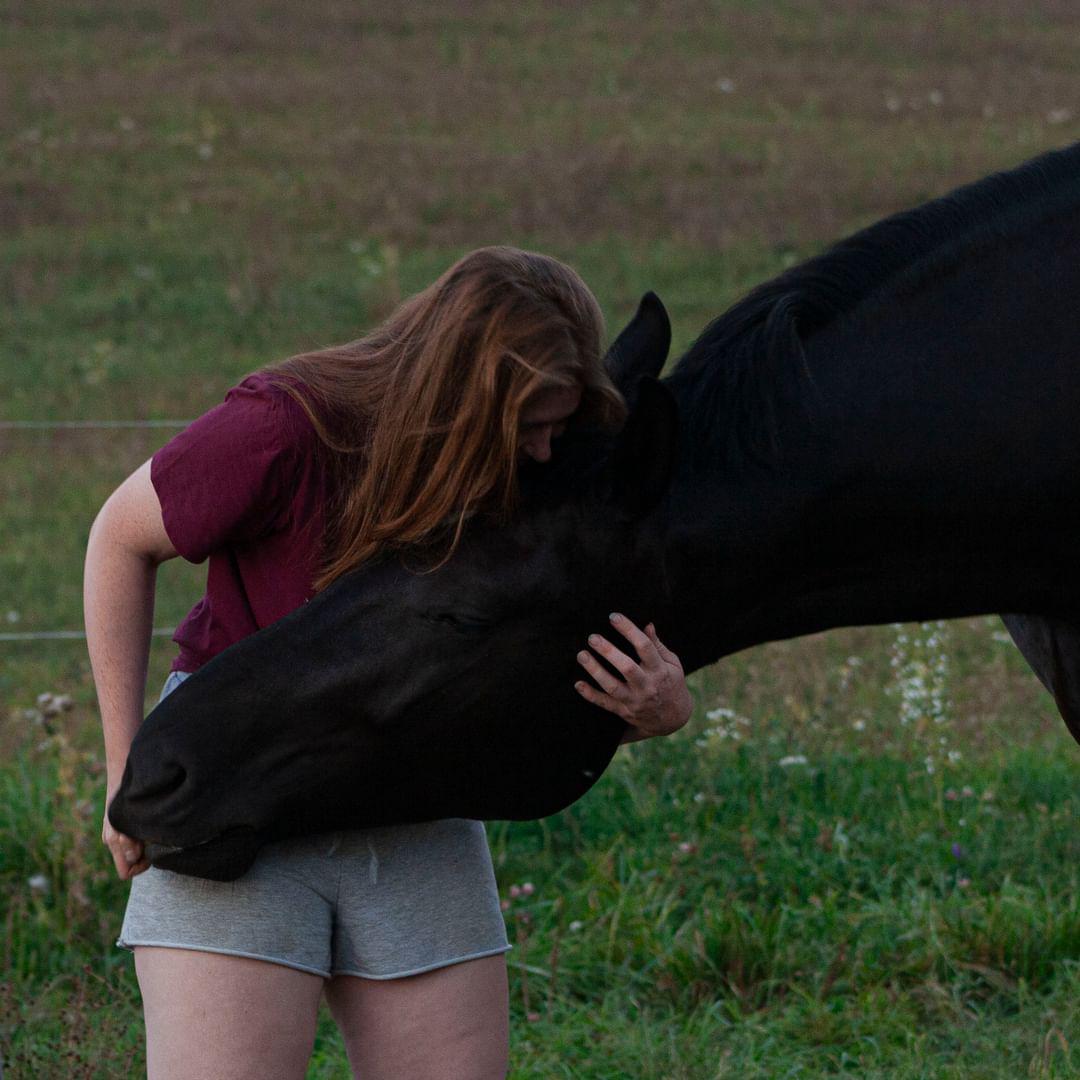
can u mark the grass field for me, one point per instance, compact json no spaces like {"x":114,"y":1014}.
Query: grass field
{"x":861,"y":858}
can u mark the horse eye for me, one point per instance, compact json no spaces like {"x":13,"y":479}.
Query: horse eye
{"x":458,"y":620}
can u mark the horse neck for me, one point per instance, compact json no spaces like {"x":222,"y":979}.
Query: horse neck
{"x":927,"y":468}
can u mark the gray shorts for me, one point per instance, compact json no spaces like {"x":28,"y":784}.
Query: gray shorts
{"x":379,"y":903}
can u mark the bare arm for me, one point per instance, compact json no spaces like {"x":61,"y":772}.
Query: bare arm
{"x":127,"y":544}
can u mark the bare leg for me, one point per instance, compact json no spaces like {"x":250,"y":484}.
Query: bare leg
{"x":446,"y":1024}
{"x":227,"y":1017}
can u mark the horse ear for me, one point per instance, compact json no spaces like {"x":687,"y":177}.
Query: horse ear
{"x":641,"y":348}
{"x":644,"y":455}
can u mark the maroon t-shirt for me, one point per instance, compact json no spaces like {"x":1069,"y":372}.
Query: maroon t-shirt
{"x":242,"y":487}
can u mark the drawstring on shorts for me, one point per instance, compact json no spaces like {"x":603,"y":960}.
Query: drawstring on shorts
{"x":373,"y":870}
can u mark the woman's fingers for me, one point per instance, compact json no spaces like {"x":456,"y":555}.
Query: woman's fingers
{"x":126,"y":859}
{"x":652,"y":697}
{"x":128,"y":853}
{"x":633,"y":671}
{"x":605,"y":701}
{"x":642,"y":642}
{"x":639,"y":675}
{"x":665,"y":653}
{"x":603,"y":677}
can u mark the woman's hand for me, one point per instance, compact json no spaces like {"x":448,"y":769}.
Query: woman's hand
{"x":128,"y":854}
{"x":652,"y":696}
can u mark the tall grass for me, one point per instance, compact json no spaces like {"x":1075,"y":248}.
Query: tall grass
{"x":716,"y":906}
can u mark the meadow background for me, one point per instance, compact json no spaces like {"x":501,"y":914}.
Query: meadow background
{"x":860,"y":859}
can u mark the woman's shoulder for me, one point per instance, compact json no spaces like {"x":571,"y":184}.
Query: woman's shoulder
{"x":266,"y":385}
{"x":264,"y":397}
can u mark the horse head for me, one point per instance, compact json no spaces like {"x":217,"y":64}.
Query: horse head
{"x":399,"y":694}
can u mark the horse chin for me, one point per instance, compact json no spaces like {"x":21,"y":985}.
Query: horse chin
{"x":224,"y":858}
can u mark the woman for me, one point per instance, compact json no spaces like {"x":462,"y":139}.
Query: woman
{"x":309,"y":468}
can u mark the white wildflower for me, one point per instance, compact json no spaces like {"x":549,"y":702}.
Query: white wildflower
{"x":841,"y":840}
{"x":726,"y":725}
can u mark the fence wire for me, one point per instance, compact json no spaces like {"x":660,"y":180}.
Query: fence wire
{"x":70,"y":635}
{"x":41,"y":425}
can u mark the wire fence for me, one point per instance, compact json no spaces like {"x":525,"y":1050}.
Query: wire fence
{"x":70,"y":635}
{"x":39,"y":425}
{"x":44,"y":425}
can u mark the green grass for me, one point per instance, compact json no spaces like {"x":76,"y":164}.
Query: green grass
{"x":704,"y":911}
{"x":189,"y":193}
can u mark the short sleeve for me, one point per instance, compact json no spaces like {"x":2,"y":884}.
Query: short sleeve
{"x":229,"y":476}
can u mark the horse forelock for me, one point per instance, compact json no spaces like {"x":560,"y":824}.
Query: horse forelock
{"x":577,"y":464}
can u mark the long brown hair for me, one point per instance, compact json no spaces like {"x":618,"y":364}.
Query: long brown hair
{"x":418,"y":420}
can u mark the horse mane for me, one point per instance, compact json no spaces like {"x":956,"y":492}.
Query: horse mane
{"x":740,"y":359}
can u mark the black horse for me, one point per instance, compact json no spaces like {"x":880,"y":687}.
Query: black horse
{"x":885,"y":433}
